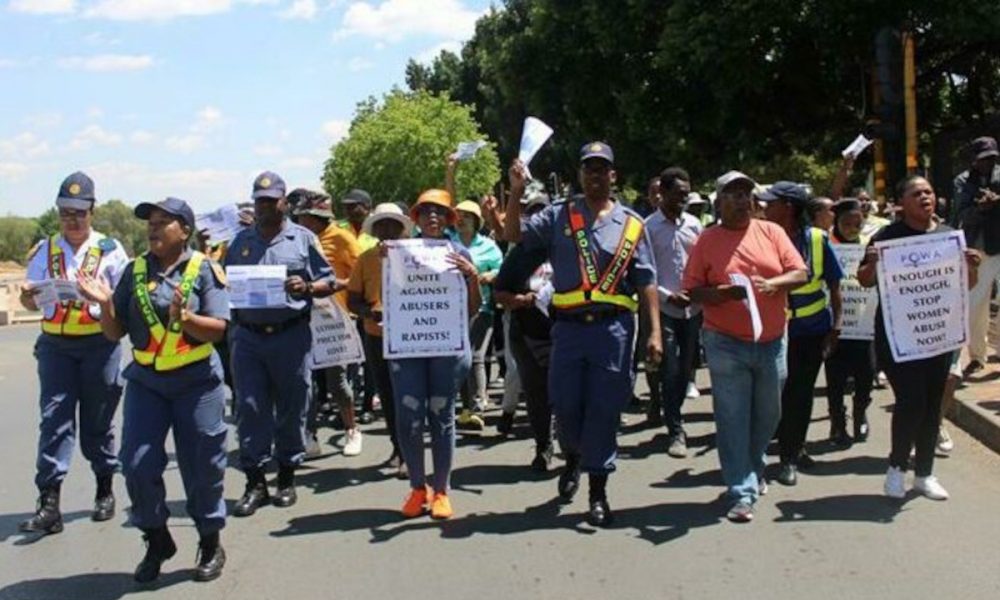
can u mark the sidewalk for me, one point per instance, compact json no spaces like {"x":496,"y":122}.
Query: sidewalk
{"x":977,"y":404}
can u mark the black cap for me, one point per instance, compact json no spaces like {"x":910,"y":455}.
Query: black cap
{"x":785,"y":190}
{"x":984,"y":147}
{"x":268,"y":185}
{"x":76,"y":192}
{"x":597,"y":150}
{"x":172,"y":206}
{"x":357,"y":196}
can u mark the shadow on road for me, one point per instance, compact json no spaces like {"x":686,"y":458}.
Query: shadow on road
{"x":322,"y":480}
{"x":864,"y":508}
{"x":9,"y":523}
{"x":97,"y":586}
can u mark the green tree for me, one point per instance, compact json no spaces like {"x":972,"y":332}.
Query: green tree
{"x":48,"y":223}
{"x":396,"y":149}
{"x":17,"y":236}
{"x":114,"y":218}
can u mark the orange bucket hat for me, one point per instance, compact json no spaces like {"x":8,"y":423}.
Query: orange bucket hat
{"x":438,"y":197}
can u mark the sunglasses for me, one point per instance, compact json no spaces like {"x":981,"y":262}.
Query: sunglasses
{"x":69,"y":214}
{"x":427,"y":210}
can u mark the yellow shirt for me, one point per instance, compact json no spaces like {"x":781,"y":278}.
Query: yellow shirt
{"x":366,"y":280}
{"x":365,"y":240}
{"x":341,"y":250}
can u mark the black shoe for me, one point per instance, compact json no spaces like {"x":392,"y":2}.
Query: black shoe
{"x":973,"y":368}
{"x":860,"y":424}
{"x":804,"y":461}
{"x":47,"y":518}
{"x":838,"y":430}
{"x":211,"y":558}
{"x":506,"y":424}
{"x":600,"y":513}
{"x":569,"y":480}
{"x":104,"y":500}
{"x":543,"y":456}
{"x":677,"y":445}
{"x":367,"y":417}
{"x":787,"y":474}
{"x":286,"y":495}
{"x":159,"y":548}
{"x":254,"y":496}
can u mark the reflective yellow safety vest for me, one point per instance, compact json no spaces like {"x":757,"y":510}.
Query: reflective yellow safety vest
{"x":601,"y":289}
{"x":809,"y":298}
{"x":167,"y":349}
{"x":72,"y":318}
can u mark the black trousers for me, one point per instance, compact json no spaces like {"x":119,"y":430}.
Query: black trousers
{"x":532,"y":358}
{"x":375,"y":363}
{"x":680,"y":347}
{"x":918,"y":386}
{"x":852,"y":358}
{"x":805,"y":356}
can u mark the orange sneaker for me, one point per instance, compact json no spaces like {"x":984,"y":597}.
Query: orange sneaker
{"x":416,"y":503}
{"x":441,"y":506}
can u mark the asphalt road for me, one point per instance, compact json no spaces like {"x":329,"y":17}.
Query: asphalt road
{"x":832,"y":536}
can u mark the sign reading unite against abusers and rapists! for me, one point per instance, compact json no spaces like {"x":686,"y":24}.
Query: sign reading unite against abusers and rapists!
{"x":923,"y":291}
{"x":424,"y":299}
{"x":858,"y":303}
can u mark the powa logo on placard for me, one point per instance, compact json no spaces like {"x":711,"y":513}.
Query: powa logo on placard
{"x":916,"y":258}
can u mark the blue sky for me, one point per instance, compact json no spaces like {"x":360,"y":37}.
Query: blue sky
{"x":192,"y":98}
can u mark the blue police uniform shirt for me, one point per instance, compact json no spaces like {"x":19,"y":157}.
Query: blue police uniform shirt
{"x":208,"y":298}
{"x":549,"y":229}
{"x":821,"y":322}
{"x":295,"y":247}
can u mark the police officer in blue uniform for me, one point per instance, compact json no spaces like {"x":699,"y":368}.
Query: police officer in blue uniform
{"x":77,"y":366}
{"x":173,"y":304}
{"x":270,"y":347}
{"x":603,"y":271}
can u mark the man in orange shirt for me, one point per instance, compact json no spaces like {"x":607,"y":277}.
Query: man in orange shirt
{"x":342,"y":251}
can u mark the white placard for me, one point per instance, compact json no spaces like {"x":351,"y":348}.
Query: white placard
{"x":856,"y":147}
{"x":54,"y":291}
{"x":750,"y":302}
{"x":858,"y":304}
{"x":220,"y":225}
{"x":533,"y":137}
{"x":467,"y":150}
{"x":335,"y":339}
{"x":257,"y":286}
{"x":424,"y":300}
{"x":922,"y":285}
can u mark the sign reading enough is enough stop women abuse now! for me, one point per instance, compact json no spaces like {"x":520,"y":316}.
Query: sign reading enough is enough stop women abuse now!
{"x":424,"y":300}
{"x":924,"y":294}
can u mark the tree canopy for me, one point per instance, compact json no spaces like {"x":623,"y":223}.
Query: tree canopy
{"x":397,"y":148}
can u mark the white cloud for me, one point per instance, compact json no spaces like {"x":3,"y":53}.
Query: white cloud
{"x":359,"y":63}
{"x":185,"y":144}
{"x":23,"y":145}
{"x":428,"y":55}
{"x":100,"y":39}
{"x":156,"y":10}
{"x":42,"y":7}
{"x":94,"y":135}
{"x":9,"y":63}
{"x":268,"y":150}
{"x":204,"y":187}
{"x":336,"y":130}
{"x":44,"y":120}
{"x":141,"y":137}
{"x":300,"y":162}
{"x":209,"y":118}
{"x":12,"y":171}
{"x":394,"y":20}
{"x":108,"y":62}
{"x":301,"y":9}
{"x":95,"y":112}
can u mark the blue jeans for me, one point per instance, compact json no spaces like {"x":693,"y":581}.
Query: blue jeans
{"x":425,"y":390}
{"x":747,"y":378}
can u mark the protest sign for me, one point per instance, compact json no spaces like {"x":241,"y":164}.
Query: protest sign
{"x":858,"y":303}
{"x":335,"y":339}
{"x":533,"y":136}
{"x":257,"y":286}
{"x":856,"y":147}
{"x":467,"y":150}
{"x":924,"y":294}
{"x":424,"y":300}
{"x":55,"y":291}
{"x":750,"y":302}
{"x":220,"y":225}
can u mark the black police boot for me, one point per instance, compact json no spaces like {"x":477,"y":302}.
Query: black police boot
{"x":254,"y":496}
{"x":861,"y":420}
{"x":543,"y":456}
{"x":211,"y":558}
{"x":286,"y":495}
{"x":104,"y":500}
{"x":159,"y":548}
{"x":787,"y":473}
{"x":600,"y":513}
{"x":47,"y":518}
{"x":569,"y":480}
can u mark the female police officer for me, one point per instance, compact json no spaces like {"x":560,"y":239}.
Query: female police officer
{"x":601,"y":257}
{"x":173,"y":305}
{"x":76,"y":365}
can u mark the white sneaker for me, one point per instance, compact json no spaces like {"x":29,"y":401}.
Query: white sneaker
{"x":944,"y":444}
{"x":352,"y":442}
{"x":692,"y":392}
{"x":930,"y":487}
{"x":895,"y":483}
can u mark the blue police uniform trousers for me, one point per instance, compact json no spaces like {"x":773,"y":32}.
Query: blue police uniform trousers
{"x":590,"y":383}
{"x":76,"y":372}
{"x":272,"y":379}
{"x":196,"y":418}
